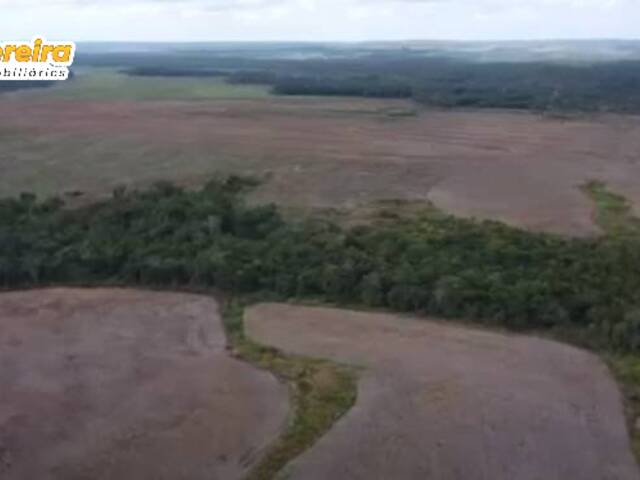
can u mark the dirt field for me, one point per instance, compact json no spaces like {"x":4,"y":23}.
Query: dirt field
{"x":442,"y":402}
{"x":115,"y":384}
{"x":515,"y":167}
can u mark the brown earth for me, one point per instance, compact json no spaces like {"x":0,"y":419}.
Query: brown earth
{"x":444,"y":402}
{"x":520,"y":168}
{"x":117,"y":384}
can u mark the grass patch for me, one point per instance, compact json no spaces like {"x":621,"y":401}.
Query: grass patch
{"x":110,"y":84}
{"x":613,"y":211}
{"x":626,"y":369}
{"x":321,"y":392}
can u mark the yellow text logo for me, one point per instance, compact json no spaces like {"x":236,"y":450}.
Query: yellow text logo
{"x":36,"y":60}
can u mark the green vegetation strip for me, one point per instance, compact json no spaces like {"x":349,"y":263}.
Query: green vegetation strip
{"x":626,"y":369}
{"x":429,"y":263}
{"x":110,"y":84}
{"x":613,"y":212}
{"x":321,"y":392}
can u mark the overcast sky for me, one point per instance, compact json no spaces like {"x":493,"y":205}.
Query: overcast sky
{"x":200,"y":20}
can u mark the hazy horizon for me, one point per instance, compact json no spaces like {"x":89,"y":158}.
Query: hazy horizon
{"x":318,"y":21}
{"x":367,"y":41}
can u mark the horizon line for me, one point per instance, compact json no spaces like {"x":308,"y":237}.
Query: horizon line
{"x":407,"y":40}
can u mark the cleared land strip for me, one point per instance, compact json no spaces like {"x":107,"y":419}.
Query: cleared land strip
{"x":443,"y":402}
{"x":125,"y":384}
{"x":518,"y":168}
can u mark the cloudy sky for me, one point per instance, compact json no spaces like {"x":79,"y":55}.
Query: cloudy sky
{"x":200,"y":20}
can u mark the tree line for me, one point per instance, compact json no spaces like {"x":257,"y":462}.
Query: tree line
{"x":441,"y":82}
{"x":435,"y":264}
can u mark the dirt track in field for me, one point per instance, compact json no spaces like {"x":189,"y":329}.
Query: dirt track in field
{"x":117,"y":384}
{"x":515,"y":167}
{"x":443,"y":402}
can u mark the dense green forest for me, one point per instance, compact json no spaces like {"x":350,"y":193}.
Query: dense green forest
{"x":434,"y":263}
{"x":442,"y":82}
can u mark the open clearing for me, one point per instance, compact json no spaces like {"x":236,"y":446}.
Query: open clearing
{"x":444,"y":402}
{"x":119,"y":384}
{"x":520,"y":168}
{"x":110,"y":84}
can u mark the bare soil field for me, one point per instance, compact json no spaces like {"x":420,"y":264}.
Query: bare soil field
{"x":516,"y":167}
{"x":118,"y":384}
{"x":444,"y":402}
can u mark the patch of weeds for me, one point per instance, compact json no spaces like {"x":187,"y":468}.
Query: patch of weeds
{"x":321,"y":392}
{"x":613,"y":211}
{"x":626,"y":369}
{"x":385,"y":213}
